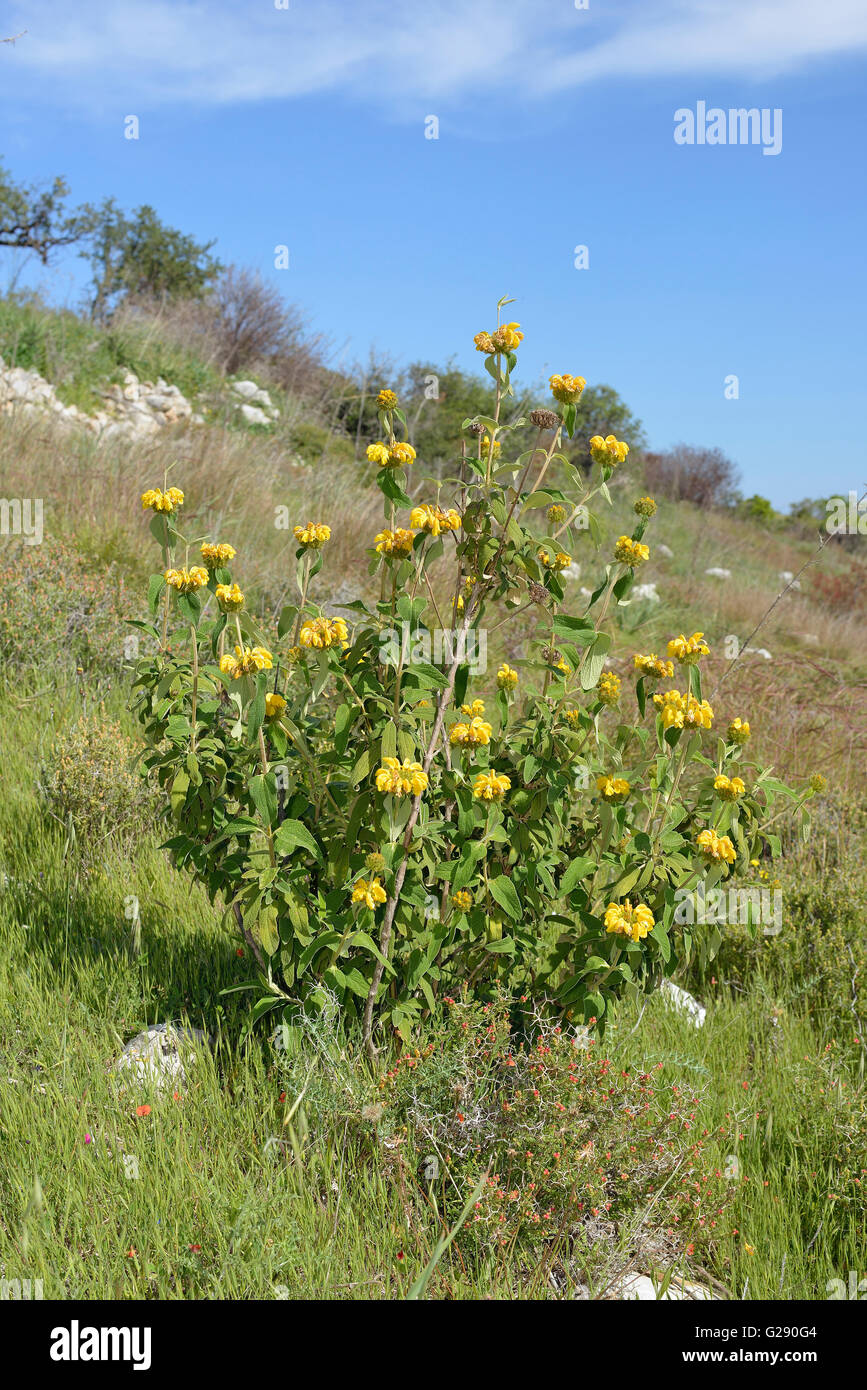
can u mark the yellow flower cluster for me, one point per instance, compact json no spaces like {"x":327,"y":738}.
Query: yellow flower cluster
{"x":645,"y":506}
{"x":728,"y":789}
{"x":159,"y":501}
{"x":505,"y":339}
{"x":274,"y":705}
{"x":609,"y":450}
{"x":612,"y":789}
{"x":462,"y":901}
{"x":560,"y":561}
{"x":186,"y":581}
{"x":683,"y":711}
{"x":399,"y":779}
{"x":652,"y":667}
{"x":490,"y":786}
{"x":625,"y":920}
{"x":567,"y":389}
{"x":608,"y":688}
{"x":386,"y":400}
{"x":630,"y":552}
{"x":246,"y":661}
{"x":229,"y":597}
{"x":370,"y":893}
{"x":508,"y":337}
{"x":391,"y":455}
{"x":485,"y":446}
{"x":572,"y":717}
{"x":323,"y":632}
{"x":556,"y":513}
{"x":215,"y":556}
{"x":471,"y":735}
{"x":475,"y":709}
{"x":507,"y":678}
{"x":688,"y":650}
{"x":718,"y":847}
{"x":397,"y":542}
{"x":312,"y":536}
{"x":738,"y":731}
{"x":435,"y":520}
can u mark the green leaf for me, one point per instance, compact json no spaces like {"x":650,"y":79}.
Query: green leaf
{"x":389,"y":740}
{"x":503,"y":891}
{"x":388,"y":484}
{"x":256,"y":712}
{"x":263,"y":792}
{"x":293,"y":835}
{"x":591,"y":669}
{"x":576,"y":628}
{"x":266,"y":929}
{"x":428,"y":675}
{"x":343,"y":721}
{"x":577,"y":870}
{"x":156,"y":585}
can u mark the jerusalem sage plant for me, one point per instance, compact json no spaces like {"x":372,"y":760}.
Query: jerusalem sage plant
{"x":382,"y":836}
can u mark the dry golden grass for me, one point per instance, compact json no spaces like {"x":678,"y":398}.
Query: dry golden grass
{"x":808,"y":705}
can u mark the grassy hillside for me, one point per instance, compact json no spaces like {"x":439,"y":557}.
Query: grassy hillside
{"x":299,"y":1171}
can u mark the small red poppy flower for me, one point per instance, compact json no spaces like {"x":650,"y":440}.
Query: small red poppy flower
{"x":281,"y":1099}
{"x":143,"y":1110}
{"x":196,"y":1249}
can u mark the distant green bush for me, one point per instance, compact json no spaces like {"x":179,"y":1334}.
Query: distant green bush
{"x":818,"y":960}
{"x":312,"y":441}
{"x":89,"y":785}
{"x":57,"y":615}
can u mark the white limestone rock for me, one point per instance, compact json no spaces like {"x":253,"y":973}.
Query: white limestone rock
{"x":159,"y":1056}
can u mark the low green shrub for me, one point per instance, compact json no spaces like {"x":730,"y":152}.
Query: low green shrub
{"x":89,"y":785}
{"x":554,"y":1143}
{"x":57,"y":615}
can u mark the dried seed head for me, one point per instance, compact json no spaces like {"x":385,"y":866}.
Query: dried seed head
{"x":475,"y":428}
{"x":545,"y":419}
{"x":538,"y":593}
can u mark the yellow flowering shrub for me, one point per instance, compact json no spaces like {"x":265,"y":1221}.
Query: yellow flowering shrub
{"x":379,"y":832}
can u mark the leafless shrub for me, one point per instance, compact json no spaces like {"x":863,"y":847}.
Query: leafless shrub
{"x":692,"y":473}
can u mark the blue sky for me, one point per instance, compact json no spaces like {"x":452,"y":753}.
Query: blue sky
{"x":305,"y":126}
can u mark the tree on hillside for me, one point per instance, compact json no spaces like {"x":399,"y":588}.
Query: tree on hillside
{"x":601,"y":410}
{"x":34,"y":218}
{"x":438,"y":400}
{"x":139,"y":256}
{"x":692,"y":473}
{"x":254,"y":322}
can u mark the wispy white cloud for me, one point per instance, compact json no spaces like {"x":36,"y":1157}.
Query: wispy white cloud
{"x":216,"y":52}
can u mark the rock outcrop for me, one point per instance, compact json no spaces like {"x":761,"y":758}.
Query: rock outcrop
{"x":132,"y":409}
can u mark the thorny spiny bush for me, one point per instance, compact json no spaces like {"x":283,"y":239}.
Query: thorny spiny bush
{"x":568,"y":1146}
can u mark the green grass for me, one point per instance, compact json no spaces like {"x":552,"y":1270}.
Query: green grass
{"x":333,"y":1206}
{"x":79,"y":358}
